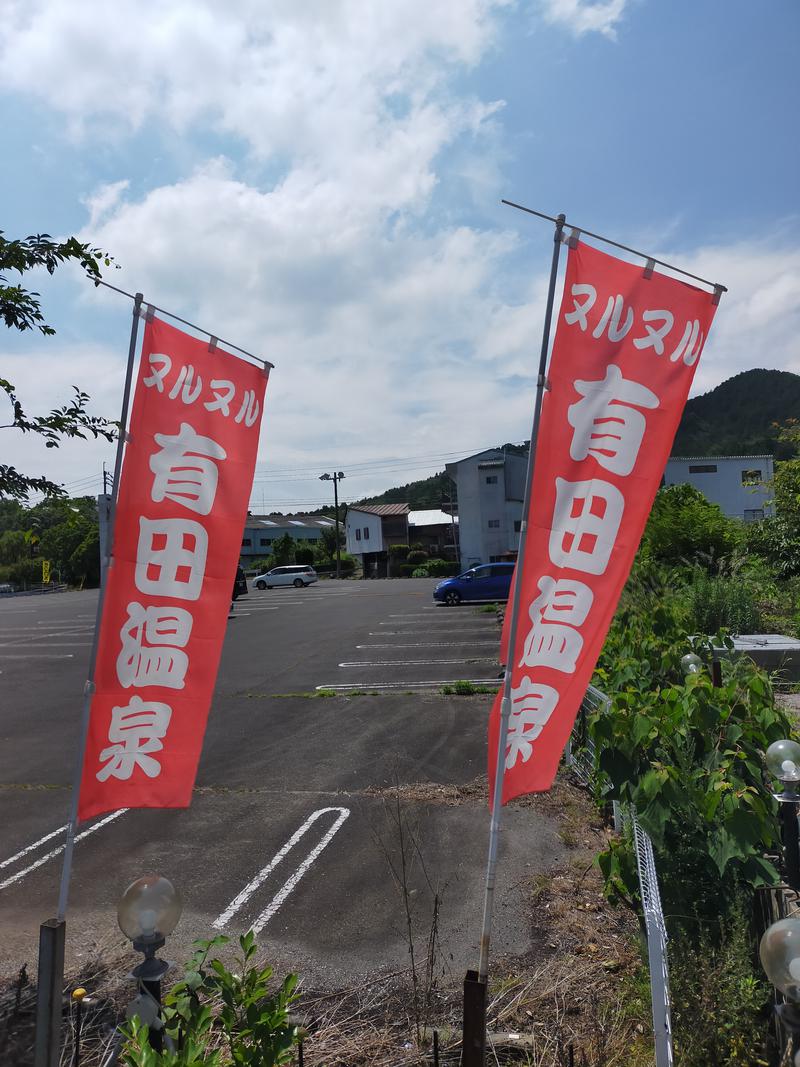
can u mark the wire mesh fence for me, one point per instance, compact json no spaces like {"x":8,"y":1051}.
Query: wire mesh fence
{"x":581,"y":758}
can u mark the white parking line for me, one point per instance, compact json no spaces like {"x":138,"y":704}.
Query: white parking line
{"x":416,"y":662}
{"x":435,"y":684}
{"x":57,"y":851}
{"x":33,"y":847}
{"x":435,"y":644}
{"x":416,"y":633}
{"x":43,"y":655}
{"x":241,"y":899}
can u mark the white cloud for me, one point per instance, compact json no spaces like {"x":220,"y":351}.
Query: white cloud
{"x":583,"y":16}
{"x":758,"y":321}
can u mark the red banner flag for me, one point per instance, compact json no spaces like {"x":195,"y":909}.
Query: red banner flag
{"x":186,"y":479}
{"x":625,"y":351}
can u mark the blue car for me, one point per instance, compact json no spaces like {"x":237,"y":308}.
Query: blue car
{"x":490,"y":581}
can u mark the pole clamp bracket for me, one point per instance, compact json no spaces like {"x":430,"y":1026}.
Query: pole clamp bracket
{"x":89,"y":689}
{"x":649,"y":267}
{"x":718,"y":291}
{"x":543,"y":382}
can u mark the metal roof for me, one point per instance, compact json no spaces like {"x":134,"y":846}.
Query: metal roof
{"x":432,"y":517}
{"x":711,"y":459}
{"x":285,"y":521}
{"x":382,"y":509}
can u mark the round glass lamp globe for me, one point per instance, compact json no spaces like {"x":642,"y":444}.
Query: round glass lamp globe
{"x":780,"y":956}
{"x":691,"y":664}
{"x":783,"y":760}
{"x":150,"y":907}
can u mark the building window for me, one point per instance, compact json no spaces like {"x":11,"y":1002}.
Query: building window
{"x":366,"y":533}
{"x":246,"y":542}
{"x":265,"y":541}
{"x":753,"y":514}
{"x":358,"y":534}
{"x":751,"y":477}
{"x":703,"y":468}
{"x":491,"y":479}
{"x":494,"y":524}
{"x":517,"y":525}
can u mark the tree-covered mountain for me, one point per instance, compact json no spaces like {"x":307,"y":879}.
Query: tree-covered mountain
{"x":738,"y":417}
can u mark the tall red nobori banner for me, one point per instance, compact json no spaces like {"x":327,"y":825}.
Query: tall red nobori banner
{"x":626,"y":348}
{"x":186,"y":479}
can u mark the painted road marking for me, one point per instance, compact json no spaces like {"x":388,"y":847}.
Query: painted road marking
{"x":33,"y":847}
{"x":495,"y":682}
{"x":435,"y":644}
{"x":56,"y":851}
{"x":42,"y":655}
{"x":416,"y":633}
{"x":416,"y":662}
{"x":291,"y":882}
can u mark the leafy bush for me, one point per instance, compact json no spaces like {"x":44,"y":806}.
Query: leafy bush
{"x":304,"y":556}
{"x":687,"y":755}
{"x":685,"y":528}
{"x":216,"y":1018}
{"x":399,"y":552}
{"x":348,"y":564}
{"x":442,"y":568}
{"x":406,"y":570}
{"x":776,"y":541}
{"x":417,"y":556}
{"x":420,"y":572}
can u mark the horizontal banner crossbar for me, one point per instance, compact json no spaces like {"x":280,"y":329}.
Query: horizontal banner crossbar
{"x":607,"y":240}
{"x":213,"y":338}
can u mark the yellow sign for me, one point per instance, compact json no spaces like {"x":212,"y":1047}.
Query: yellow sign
{"x":45,"y":571}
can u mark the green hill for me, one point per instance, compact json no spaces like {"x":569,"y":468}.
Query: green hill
{"x":738,"y":417}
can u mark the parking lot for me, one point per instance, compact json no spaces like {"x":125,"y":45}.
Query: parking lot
{"x":327,"y":699}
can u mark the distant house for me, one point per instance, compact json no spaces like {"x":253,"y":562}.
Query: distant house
{"x":370,"y":529}
{"x":490,"y":487}
{"x":262,"y":531}
{"x":436,"y":531}
{"x":737,"y":483}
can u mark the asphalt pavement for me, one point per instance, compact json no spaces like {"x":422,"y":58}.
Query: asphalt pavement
{"x":327,"y":701}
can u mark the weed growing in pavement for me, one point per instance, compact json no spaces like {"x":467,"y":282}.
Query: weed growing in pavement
{"x":486,"y":609}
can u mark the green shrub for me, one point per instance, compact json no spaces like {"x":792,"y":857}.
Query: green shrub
{"x":420,"y":572}
{"x":442,"y":568}
{"x":219,"y":1018}
{"x":417,"y":556}
{"x":720,"y":998}
{"x":687,"y":755}
{"x":398,"y":552}
{"x":304,"y":556}
{"x":406,"y":570}
{"x":684,"y":528}
{"x":347,"y":564}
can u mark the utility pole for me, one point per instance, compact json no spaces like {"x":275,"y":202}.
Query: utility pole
{"x":336,"y":477}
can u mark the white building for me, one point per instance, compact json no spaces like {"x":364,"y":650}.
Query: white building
{"x":490,"y":488}
{"x":737,"y":483}
{"x":261,"y":532}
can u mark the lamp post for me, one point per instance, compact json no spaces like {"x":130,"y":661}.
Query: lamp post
{"x":780,"y":957}
{"x":783,"y":764}
{"x":336,"y":477}
{"x":147,"y":914}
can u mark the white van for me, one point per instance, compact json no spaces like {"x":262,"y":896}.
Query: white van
{"x":296,"y":576}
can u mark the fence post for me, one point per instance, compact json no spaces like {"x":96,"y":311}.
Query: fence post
{"x":473,"y":1038}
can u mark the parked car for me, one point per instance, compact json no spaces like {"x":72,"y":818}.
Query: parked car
{"x":296,"y":576}
{"x":490,"y":581}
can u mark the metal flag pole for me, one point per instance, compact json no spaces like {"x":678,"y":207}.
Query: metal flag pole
{"x":474,"y":1037}
{"x":53,"y":932}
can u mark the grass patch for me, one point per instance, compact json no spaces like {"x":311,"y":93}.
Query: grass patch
{"x":466,"y":689}
{"x":316,"y":694}
{"x":486,"y":609}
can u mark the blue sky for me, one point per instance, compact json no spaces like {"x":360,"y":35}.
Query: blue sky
{"x":320,"y":183}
